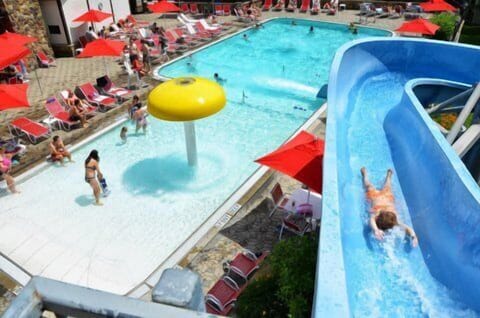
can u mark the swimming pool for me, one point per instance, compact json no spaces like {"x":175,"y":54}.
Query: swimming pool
{"x":157,"y":200}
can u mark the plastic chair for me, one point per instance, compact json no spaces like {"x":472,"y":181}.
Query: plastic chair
{"x":280,"y":199}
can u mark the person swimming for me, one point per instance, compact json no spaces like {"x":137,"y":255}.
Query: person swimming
{"x":219,"y":79}
{"x":383,"y":215}
{"x":245,"y":37}
{"x":311,"y":29}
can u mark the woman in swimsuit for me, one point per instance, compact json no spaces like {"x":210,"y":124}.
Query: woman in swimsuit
{"x":91,"y":166}
{"x":76,"y":113}
{"x":140,"y":118}
{"x":383,"y":215}
{"x":5,"y":165}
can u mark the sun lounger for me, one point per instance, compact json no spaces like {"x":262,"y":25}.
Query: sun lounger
{"x":218,"y":10}
{"x":44,"y":60}
{"x":136,"y":23}
{"x":280,"y":199}
{"x":292,"y":6}
{"x":91,"y":94}
{"x":227,"y":10}
{"x":184,"y":8}
{"x":315,"y":7}
{"x":221,"y":298}
{"x":296,"y":224}
{"x":194,"y":8}
{"x":267,"y":5}
{"x":90,"y":111}
{"x":31,"y":129}
{"x":246,"y":263}
{"x":305,"y":6}
{"x":279,"y":6}
{"x":56,"y":111}
{"x":110,"y":89}
{"x":173,"y":38}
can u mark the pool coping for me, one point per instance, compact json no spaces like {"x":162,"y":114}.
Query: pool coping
{"x":203,"y":47}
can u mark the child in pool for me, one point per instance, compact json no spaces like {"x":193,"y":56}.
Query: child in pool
{"x":123,"y":134}
{"x":383,"y":215}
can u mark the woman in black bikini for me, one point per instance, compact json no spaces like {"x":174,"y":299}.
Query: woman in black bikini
{"x":91,"y":165}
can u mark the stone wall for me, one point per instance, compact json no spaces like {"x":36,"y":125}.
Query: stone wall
{"x":26,"y":18}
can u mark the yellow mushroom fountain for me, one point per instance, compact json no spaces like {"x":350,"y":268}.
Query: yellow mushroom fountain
{"x":186,"y":99}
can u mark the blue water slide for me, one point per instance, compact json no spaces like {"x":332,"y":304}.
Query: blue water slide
{"x":376,"y":120}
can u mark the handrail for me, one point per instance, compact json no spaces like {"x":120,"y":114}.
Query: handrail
{"x":469,"y":106}
{"x":447,"y":102}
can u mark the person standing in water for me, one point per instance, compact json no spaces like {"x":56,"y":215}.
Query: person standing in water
{"x":93,"y":176}
{"x":383,"y":215}
{"x":5,"y":165}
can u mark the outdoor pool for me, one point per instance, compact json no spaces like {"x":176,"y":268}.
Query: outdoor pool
{"x":157,"y":200}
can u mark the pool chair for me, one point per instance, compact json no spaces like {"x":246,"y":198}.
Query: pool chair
{"x":292,"y":6}
{"x":194,"y":9}
{"x":90,"y":111}
{"x":173,"y":38}
{"x":44,"y":60}
{"x":279,"y":6}
{"x":184,"y":8}
{"x":192,"y":38}
{"x":218,"y":10}
{"x":92,"y":96}
{"x":280,"y":199}
{"x":108,"y":88}
{"x":296,"y":224}
{"x":195,"y":33}
{"x":221,"y":298}
{"x":227,"y":10}
{"x":57,"y":112}
{"x":246,"y":263}
{"x":305,"y":6}
{"x":315,"y":7}
{"x":29,"y":128}
{"x":201,"y":28}
{"x":139,"y":24}
{"x":267,"y":5}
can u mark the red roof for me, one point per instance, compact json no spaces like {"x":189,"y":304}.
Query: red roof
{"x":420,"y":25}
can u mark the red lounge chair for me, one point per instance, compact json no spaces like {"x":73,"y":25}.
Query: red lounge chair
{"x":179,"y":32}
{"x":226,"y":9}
{"x":305,"y":6}
{"x":244,"y":264}
{"x":136,"y":23}
{"x":315,"y":7}
{"x":44,"y":60}
{"x":91,"y":110}
{"x":194,"y":8}
{"x":218,"y":9}
{"x":292,"y":6}
{"x":56,"y":110}
{"x":289,"y":225}
{"x":280,"y":199}
{"x":33,"y":130}
{"x":93,"y":97}
{"x":184,"y":8}
{"x":14,"y":80}
{"x":222,"y":296}
{"x":267,"y":5}
{"x":202,"y":29}
{"x":110,"y":89}
{"x":279,"y":6}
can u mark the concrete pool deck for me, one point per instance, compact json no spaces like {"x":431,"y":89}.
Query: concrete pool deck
{"x":224,"y":245}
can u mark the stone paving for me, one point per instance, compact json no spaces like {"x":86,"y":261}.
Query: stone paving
{"x":249,"y":228}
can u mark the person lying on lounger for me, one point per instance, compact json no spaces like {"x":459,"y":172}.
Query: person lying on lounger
{"x":383,"y":215}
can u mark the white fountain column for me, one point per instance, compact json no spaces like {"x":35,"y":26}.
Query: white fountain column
{"x":191,"y":142}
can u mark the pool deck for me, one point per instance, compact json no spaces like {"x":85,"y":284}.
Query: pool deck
{"x":248,"y":228}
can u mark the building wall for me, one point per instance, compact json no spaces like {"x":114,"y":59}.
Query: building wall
{"x":26,"y":18}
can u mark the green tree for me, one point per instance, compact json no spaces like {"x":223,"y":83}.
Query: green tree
{"x":446,"y":21}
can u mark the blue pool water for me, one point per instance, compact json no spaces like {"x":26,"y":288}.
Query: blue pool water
{"x":157,"y":200}
{"x":378,"y":123}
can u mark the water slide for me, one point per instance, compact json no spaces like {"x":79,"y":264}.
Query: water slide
{"x":376,"y":120}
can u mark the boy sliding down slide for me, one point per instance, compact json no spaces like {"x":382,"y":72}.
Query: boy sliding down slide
{"x":383,"y":215}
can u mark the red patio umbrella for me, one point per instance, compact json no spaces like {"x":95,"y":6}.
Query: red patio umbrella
{"x":163,"y":7}
{"x":300,"y":158}
{"x":11,"y":55}
{"x":13,"y":96}
{"x":102,"y":47}
{"x":437,"y":6}
{"x":15,"y":39}
{"x":93,"y":16}
{"x":420,"y":25}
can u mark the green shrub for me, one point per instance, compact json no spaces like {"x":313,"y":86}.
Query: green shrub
{"x":287,"y":291}
{"x":446,"y":21}
{"x":470,"y":34}
{"x":260,"y":300}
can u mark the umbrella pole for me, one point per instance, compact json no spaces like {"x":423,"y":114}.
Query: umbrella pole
{"x":106,"y":66}
{"x":191,"y":142}
{"x":38,"y":82}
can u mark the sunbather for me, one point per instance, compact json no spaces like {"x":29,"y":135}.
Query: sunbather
{"x":58,"y":151}
{"x":5,"y":165}
{"x":70,"y":100}
{"x":78,"y":113}
{"x":92,"y":178}
{"x":383,"y":215}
